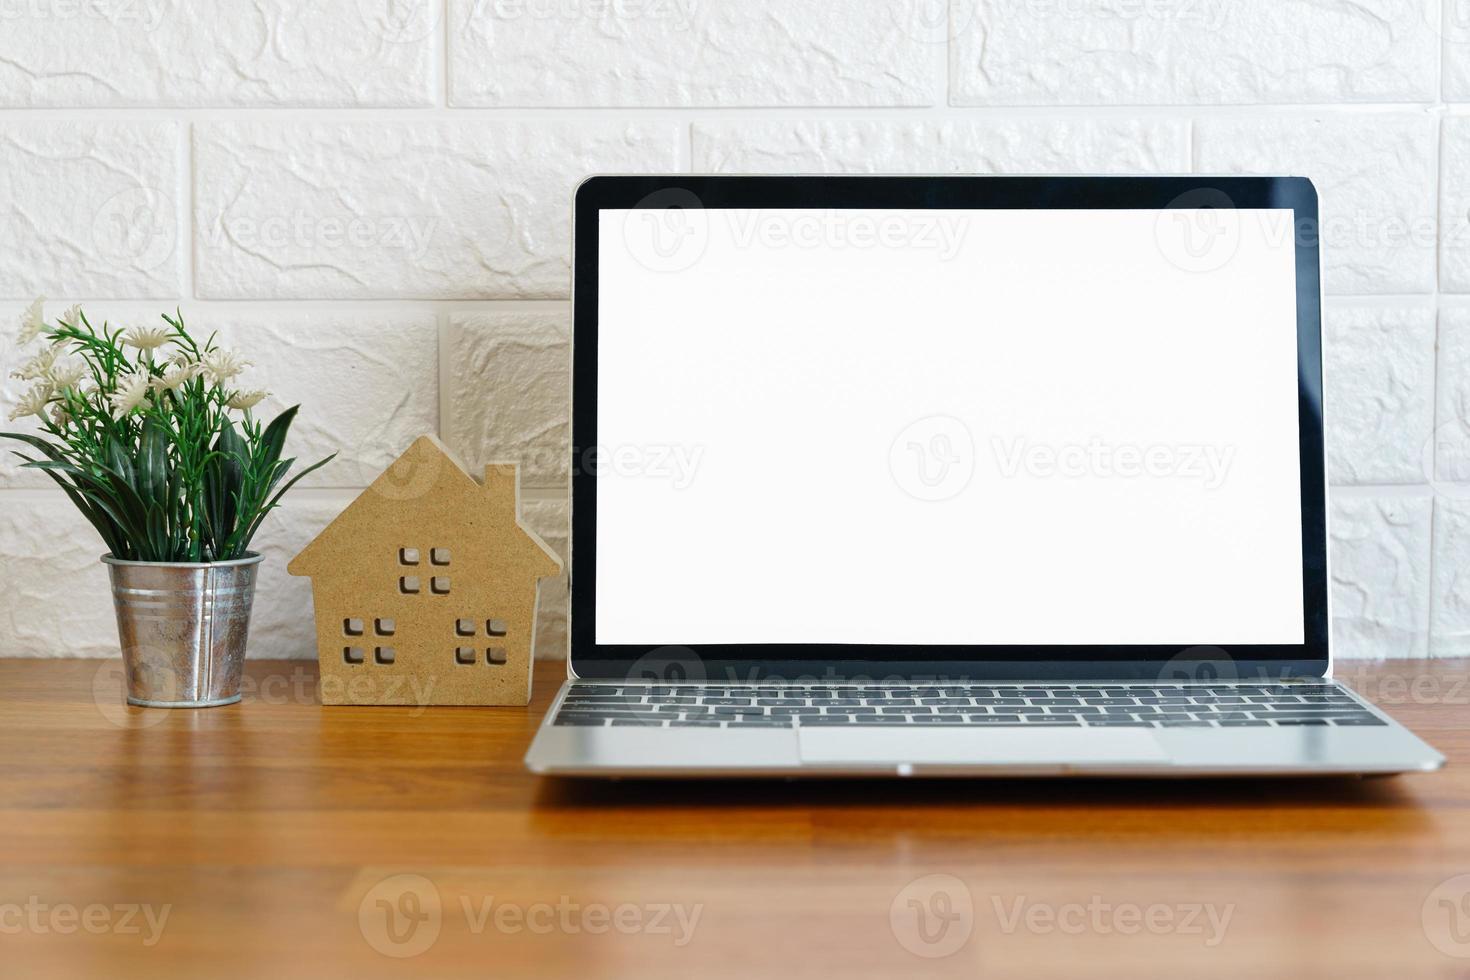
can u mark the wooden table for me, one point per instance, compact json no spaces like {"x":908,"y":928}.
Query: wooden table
{"x":282,"y":839}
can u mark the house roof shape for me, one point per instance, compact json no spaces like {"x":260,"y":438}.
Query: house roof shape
{"x":430,"y":481}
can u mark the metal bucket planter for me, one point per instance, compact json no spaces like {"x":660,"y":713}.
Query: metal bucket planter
{"x":183,"y":629}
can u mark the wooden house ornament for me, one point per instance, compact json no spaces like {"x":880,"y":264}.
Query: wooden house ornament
{"x":425,"y":587}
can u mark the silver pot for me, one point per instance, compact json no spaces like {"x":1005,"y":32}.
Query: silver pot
{"x":183,"y":629}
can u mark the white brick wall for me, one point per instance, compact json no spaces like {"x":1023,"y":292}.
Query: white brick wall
{"x":373,"y":197}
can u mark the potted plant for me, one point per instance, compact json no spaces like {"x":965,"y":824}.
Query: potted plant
{"x":148,"y":434}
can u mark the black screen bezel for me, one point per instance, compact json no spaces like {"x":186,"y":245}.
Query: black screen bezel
{"x":839,"y":660}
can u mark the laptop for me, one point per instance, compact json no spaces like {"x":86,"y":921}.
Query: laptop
{"x":951,"y":476}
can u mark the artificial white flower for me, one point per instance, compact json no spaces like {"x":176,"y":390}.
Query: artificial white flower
{"x":33,"y":402}
{"x":72,"y":317}
{"x":59,"y":415}
{"x":178,"y":374}
{"x":147,"y":338}
{"x":38,"y":366}
{"x":33,"y":321}
{"x":67,"y":375}
{"x":224,"y":365}
{"x":243,"y":400}
{"x":130,"y":395}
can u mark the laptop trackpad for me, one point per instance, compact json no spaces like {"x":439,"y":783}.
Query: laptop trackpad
{"x":978,"y":746}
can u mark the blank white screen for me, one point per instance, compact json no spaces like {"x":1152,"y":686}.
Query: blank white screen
{"x":784,"y":409}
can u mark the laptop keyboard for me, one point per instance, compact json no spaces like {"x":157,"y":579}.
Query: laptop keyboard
{"x":1100,"y":705}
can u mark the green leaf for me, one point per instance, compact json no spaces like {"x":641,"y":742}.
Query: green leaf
{"x":153,"y":462}
{"x":112,"y":535}
{"x":244,"y":543}
{"x":273,"y":440}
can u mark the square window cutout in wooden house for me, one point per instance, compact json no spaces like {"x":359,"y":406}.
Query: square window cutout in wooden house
{"x":414,"y":580}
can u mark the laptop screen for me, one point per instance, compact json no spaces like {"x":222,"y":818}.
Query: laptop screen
{"x":947,"y":427}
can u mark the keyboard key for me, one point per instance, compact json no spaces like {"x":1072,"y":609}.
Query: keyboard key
{"x":1302,"y":721}
{"x":1366,"y":720}
{"x":638,"y":723}
{"x":586,"y":720}
{"x":700,"y":723}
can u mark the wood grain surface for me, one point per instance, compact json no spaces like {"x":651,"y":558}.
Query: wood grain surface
{"x":278,"y":838}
